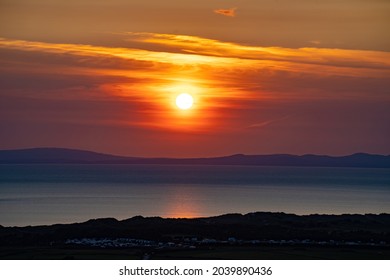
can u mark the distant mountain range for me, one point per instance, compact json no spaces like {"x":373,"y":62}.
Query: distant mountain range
{"x":70,"y":156}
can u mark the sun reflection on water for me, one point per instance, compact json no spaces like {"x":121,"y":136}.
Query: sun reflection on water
{"x":183,"y":202}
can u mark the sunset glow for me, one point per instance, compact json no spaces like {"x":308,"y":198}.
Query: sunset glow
{"x":212,"y":130}
{"x":267,"y":91}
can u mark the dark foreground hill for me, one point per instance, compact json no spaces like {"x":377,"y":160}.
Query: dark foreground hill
{"x":68,"y":156}
{"x":252,"y":226}
{"x":231,"y":236}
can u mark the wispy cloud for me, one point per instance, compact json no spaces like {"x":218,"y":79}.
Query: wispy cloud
{"x":336,"y":60}
{"x":197,"y":51}
{"x":315,"y":42}
{"x":267,"y":122}
{"x":101,"y":51}
{"x":226,"y":12}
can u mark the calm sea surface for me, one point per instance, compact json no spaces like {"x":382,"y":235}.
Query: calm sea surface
{"x":48,"y":194}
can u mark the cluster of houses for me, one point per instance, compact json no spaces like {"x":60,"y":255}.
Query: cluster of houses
{"x":193,"y":242}
{"x":111,"y":243}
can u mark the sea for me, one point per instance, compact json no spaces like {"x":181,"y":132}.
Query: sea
{"x":42,"y":194}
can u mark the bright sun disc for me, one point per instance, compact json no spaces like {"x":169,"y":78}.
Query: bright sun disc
{"x":184,"y":101}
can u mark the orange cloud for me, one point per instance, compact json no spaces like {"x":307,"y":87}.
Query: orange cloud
{"x":226,"y":12}
{"x":194,"y":53}
{"x":336,"y":61}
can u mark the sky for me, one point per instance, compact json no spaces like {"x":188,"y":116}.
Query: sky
{"x":266,"y":76}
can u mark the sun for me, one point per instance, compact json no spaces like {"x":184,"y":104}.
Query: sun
{"x":184,"y":101}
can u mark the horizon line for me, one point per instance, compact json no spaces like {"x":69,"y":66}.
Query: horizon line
{"x":191,"y":157}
